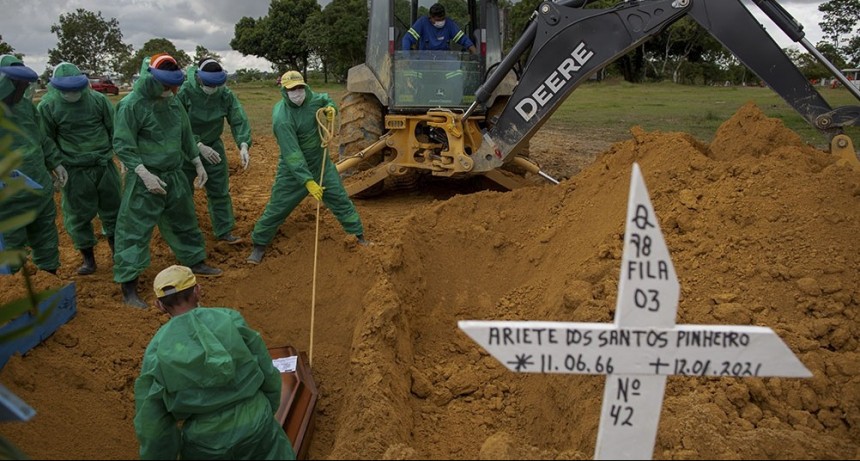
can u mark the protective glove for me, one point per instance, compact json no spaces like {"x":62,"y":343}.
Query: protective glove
{"x":314,"y":189}
{"x":152,"y":182}
{"x":211,"y":155}
{"x":122,"y":169}
{"x":243,"y":156}
{"x":329,"y":113}
{"x":62,"y":176}
{"x":202,"y":177}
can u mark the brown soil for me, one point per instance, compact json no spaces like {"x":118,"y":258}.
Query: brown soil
{"x":762,"y":230}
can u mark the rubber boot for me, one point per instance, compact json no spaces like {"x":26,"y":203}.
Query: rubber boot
{"x":89,"y":265}
{"x":230,"y":239}
{"x":204,"y":270}
{"x":257,"y":254}
{"x":111,"y":245}
{"x":129,"y":294}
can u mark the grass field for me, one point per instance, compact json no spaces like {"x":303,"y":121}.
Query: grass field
{"x":610,"y":109}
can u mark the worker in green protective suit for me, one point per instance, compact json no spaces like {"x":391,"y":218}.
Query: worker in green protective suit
{"x":40,"y":158}
{"x":80,"y":121}
{"x":302,"y":157}
{"x":152,"y":137}
{"x":209,"y":103}
{"x":207,"y":387}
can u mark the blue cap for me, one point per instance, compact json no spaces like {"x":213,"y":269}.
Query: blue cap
{"x":211,"y":73}
{"x":164,"y":76}
{"x":212,"y":78}
{"x":70,"y":83}
{"x":19,"y":72}
{"x":168,"y":77}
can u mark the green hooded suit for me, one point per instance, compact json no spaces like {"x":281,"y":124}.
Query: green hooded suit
{"x":40,"y":156}
{"x":208,"y":390}
{"x":83,"y":132}
{"x":302,"y":157}
{"x":154,"y":131}
{"x":207,"y":114}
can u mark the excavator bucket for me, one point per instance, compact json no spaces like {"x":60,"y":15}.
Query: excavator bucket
{"x":299,"y":396}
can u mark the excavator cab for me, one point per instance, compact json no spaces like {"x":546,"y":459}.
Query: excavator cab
{"x":427,"y":79}
{"x":400,"y":116}
{"x":414,"y":80}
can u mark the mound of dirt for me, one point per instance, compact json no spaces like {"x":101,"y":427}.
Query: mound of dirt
{"x":761,"y":229}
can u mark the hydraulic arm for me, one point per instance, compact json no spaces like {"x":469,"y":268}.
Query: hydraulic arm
{"x":567,"y":44}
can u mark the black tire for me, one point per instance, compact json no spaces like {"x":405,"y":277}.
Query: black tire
{"x":361,"y":124}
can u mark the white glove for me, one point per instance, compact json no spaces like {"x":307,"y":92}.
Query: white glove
{"x":243,"y":156}
{"x":202,"y":177}
{"x":62,"y":176}
{"x":152,"y":182}
{"x":211,"y":155}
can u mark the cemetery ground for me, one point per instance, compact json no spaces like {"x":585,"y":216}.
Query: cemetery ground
{"x":761,"y":227}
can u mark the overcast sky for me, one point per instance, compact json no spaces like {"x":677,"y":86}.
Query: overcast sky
{"x":26,"y":24}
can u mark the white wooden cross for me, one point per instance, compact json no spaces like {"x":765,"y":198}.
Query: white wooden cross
{"x":642,"y":347}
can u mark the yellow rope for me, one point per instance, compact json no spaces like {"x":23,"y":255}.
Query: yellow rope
{"x":326,"y":132}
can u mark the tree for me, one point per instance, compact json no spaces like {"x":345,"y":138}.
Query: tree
{"x":852,"y":51}
{"x":89,"y":41}
{"x":132,"y":64}
{"x":5,"y":48}
{"x":277,"y":37}
{"x":841,"y":18}
{"x":201,"y":52}
{"x":811,"y":67}
{"x":840,"y":25}
{"x":518,"y":18}
{"x":331,"y":35}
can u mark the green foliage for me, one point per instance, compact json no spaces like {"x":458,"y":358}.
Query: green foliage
{"x":455,"y":10}
{"x":338,"y":50}
{"x":254,"y":75}
{"x":841,"y":19}
{"x":518,"y":18}
{"x":841,"y":26}
{"x":277,"y":37}
{"x":852,"y":51}
{"x":89,"y":41}
{"x":9,"y":160}
{"x":5,"y":48}
{"x":201,"y":52}
{"x":152,"y":47}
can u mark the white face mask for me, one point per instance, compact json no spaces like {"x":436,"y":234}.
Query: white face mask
{"x":439,"y":24}
{"x":71,"y":96}
{"x":210,"y":90}
{"x":297,"y":96}
{"x":167,"y":93}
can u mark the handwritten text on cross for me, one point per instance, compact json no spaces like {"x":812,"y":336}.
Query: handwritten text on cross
{"x":642,"y":347}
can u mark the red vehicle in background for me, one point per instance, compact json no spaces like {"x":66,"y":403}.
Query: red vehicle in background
{"x":104,"y":85}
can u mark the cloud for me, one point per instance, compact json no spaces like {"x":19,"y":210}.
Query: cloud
{"x":26,"y":25}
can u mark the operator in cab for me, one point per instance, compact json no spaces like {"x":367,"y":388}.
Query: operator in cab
{"x":434,"y":32}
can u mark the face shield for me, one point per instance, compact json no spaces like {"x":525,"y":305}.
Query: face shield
{"x":19,"y":91}
{"x":208,"y":86}
{"x":16,"y":83}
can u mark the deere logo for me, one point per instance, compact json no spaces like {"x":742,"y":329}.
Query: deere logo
{"x":528,"y":106}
